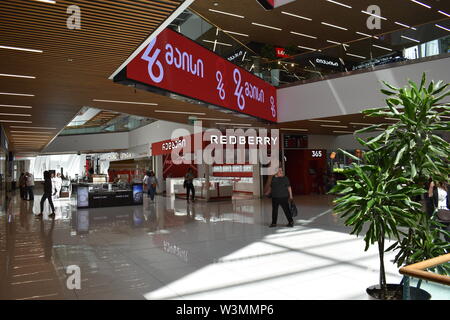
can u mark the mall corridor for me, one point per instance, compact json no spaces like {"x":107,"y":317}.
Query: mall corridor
{"x":167,"y":250}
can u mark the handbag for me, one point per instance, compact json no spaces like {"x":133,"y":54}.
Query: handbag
{"x":443,"y":215}
{"x":184,"y":184}
{"x":293,"y":209}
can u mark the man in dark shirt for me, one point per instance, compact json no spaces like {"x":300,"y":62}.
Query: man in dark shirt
{"x":281,"y":193}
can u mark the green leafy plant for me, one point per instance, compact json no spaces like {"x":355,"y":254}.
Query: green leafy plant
{"x":381,"y":191}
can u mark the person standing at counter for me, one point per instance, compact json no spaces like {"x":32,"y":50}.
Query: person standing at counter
{"x":280,"y":192}
{"x":48,"y":190}
{"x":23,"y":186}
{"x":189,"y":184}
{"x":57,"y":184}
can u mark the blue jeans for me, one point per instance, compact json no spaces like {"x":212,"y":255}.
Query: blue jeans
{"x":151,"y":191}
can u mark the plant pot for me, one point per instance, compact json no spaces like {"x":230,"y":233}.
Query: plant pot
{"x":395,"y":292}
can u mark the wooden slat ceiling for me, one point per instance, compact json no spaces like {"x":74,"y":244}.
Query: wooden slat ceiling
{"x":74,"y":67}
{"x":401,"y":11}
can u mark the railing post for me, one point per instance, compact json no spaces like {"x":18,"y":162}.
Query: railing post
{"x":406,"y":291}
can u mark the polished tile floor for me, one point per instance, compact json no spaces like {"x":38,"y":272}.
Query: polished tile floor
{"x":168,"y":250}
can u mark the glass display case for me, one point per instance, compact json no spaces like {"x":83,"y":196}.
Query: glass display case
{"x":95,"y":195}
{"x":219,"y":188}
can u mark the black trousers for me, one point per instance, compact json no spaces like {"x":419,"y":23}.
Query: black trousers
{"x":284,"y":202}
{"x":29,"y":193}
{"x":190,"y":188}
{"x":49,"y":197}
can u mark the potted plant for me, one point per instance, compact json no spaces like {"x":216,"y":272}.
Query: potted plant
{"x":382,"y":190}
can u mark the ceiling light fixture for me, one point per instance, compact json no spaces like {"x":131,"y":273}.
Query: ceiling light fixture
{"x":363,"y":124}
{"x":334,"y":42}
{"x":217,"y":42}
{"x":338,"y":3}
{"x":442,"y":27}
{"x":16,"y":114}
{"x":14,"y":106}
{"x":23,"y":127}
{"x":16,"y":94}
{"x":333,"y":26}
{"x":181,"y":112}
{"x":21,"y":49}
{"x":410,"y":39}
{"x":16,"y":76}
{"x":266,"y":26}
{"x":227,"y":13}
{"x":15,"y":121}
{"x":235,"y":124}
{"x":380,"y":47}
{"x":373,"y":15}
{"x":405,"y":25}
{"x":130,"y":102}
{"x":332,"y":126}
{"x":307,"y":48}
{"x":303,"y":35}
{"x":295,"y":15}
{"x":329,"y":121}
{"x":293,"y":129}
{"x":350,"y":132}
{"x":422,"y":4}
{"x":444,"y":13}
{"x":355,"y":55}
{"x":36,"y":132}
{"x":236,"y":33}
{"x":213,"y":119}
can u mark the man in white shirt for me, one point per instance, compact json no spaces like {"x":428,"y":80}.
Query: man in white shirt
{"x":30,"y":186}
{"x":57,"y":184}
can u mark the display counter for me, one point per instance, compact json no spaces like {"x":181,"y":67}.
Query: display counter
{"x":93,"y":195}
{"x":219,"y":189}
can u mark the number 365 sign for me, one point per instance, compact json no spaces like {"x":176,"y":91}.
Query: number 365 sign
{"x":178,"y":64}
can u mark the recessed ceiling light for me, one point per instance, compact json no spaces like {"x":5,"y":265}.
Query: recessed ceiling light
{"x":373,"y":15}
{"x":16,"y":121}
{"x":293,"y":129}
{"x":21,"y":49}
{"x":334,"y":42}
{"x":362,"y":124}
{"x":332,"y":126}
{"x":380,"y":47}
{"x":235,"y":124}
{"x":23,"y":127}
{"x":47,"y":1}
{"x":355,"y":55}
{"x":341,"y":4}
{"x":213,"y":119}
{"x":37,"y":132}
{"x":422,"y":4}
{"x":444,"y":13}
{"x":333,"y":26}
{"x":15,"y":114}
{"x":307,"y":48}
{"x":217,"y":42}
{"x":410,"y":39}
{"x":266,"y":26}
{"x":14,"y":106}
{"x":442,"y":27}
{"x":295,"y":15}
{"x":16,"y":94}
{"x":128,"y":102}
{"x":326,"y":121}
{"x":16,"y":76}
{"x":236,"y":33}
{"x":227,"y":13}
{"x":404,"y":25}
{"x":181,"y":112}
{"x":303,"y":35}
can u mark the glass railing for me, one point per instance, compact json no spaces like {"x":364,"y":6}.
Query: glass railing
{"x":306,"y":64}
{"x":121,"y":124}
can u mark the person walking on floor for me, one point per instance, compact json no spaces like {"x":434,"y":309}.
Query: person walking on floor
{"x":151,"y":183}
{"x":48,"y":190}
{"x":189,"y":184}
{"x":23,"y":186}
{"x":281,"y":193}
{"x":57,"y":184}
{"x":29,"y":186}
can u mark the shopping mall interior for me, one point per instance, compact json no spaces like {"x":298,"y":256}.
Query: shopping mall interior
{"x":113,"y":114}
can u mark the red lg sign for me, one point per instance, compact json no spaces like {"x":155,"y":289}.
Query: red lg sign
{"x":177,"y":64}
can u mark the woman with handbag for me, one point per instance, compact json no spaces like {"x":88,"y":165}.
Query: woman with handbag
{"x":439,"y":193}
{"x":281,"y":193}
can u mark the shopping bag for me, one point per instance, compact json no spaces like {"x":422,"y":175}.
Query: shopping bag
{"x":293,"y":209}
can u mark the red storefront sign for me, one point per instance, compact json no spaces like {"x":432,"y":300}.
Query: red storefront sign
{"x":281,"y":53}
{"x":178,"y":64}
